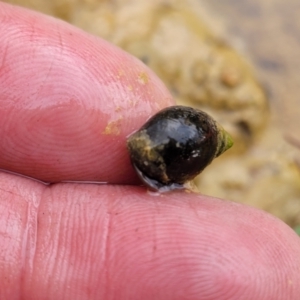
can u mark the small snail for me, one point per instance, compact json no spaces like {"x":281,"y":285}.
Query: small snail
{"x":174,"y":146}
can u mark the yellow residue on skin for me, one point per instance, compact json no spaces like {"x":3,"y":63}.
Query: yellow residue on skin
{"x":130,"y":88}
{"x":143,"y":78}
{"x":133,"y":103}
{"x":118,"y":108}
{"x":121,"y":73}
{"x":112,"y":128}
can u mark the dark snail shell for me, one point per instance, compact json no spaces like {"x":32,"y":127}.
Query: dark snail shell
{"x":175,"y":145}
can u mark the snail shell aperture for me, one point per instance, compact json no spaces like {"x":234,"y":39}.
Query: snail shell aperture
{"x":175,"y":145}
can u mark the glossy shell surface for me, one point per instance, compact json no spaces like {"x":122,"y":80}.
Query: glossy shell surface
{"x":174,"y":146}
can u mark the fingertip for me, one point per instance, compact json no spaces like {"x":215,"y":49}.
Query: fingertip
{"x":69,"y":100}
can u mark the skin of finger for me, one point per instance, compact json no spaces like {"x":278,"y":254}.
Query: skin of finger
{"x":80,"y":241}
{"x":69,"y":100}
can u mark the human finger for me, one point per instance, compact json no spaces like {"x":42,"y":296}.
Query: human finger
{"x":80,"y":241}
{"x":69,"y":100}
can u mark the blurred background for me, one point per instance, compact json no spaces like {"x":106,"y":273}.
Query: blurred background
{"x":236,"y":59}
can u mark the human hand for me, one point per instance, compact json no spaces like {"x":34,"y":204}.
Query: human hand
{"x":68,"y":101}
